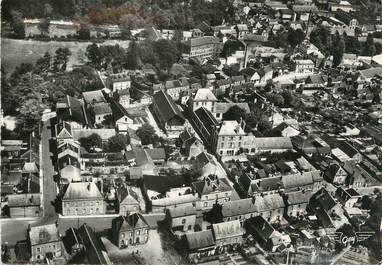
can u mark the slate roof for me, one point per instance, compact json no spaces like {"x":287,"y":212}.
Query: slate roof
{"x":125,"y":195}
{"x":269,"y":202}
{"x":204,"y":158}
{"x":269,"y":143}
{"x":164,"y":202}
{"x":297,"y":180}
{"x":156,"y":153}
{"x":260,"y":226}
{"x":266,"y":184}
{"x":43,"y":234}
{"x":202,"y":187}
{"x":182,"y":211}
{"x":118,"y":110}
{"x":238,"y":207}
{"x":371,"y":72}
{"x":82,"y":191}
{"x":102,"y":108}
{"x":227,"y":229}
{"x":133,"y":221}
{"x":231,"y":128}
{"x":206,"y":40}
{"x":199,"y":240}
{"x":166,"y":105}
{"x":347,"y":148}
{"x":206,"y":117}
{"x":298,"y":197}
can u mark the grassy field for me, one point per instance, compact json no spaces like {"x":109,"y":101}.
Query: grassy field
{"x":15,"y":52}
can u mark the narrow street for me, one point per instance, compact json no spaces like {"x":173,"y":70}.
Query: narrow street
{"x":49,"y":186}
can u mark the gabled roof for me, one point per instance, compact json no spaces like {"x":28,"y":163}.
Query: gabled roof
{"x":210,"y":186}
{"x":118,"y":110}
{"x":199,"y":240}
{"x":259,"y":225}
{"x":206,"y":40}
{"x":156,"y":153}
{"x":269,"y":202}
{"x":169,"y":201}
{"x":297,"y":180}
{"x":206,"y":117}
{"x":43,"y":234}
{"x":82,"y":190}
{"x":126,"y":195}
{"x":227,"y":229}
{"x":102,"y":108}
{"x":166,"y":105}
{"x":223,"y":107}
{"x":204,"y":158}
{"x":74,"y":109}
{"x":231,"y":128}
{"x":347,"y":148}
{"x":133,"y":221}
{"x":182,"y":211}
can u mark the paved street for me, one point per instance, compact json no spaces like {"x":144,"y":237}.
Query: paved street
{"x":49,"y":186}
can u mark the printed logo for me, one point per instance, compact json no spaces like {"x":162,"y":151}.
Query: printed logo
{"x":350,"y":240}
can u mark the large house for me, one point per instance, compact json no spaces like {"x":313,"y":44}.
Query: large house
{"x":203,"y":98}
{"x":181,"y":218}
{"x":229,"y":139}
{"x":204,"y":47}
{"x":116,"y":82}
{"x":130,"y":230}
{"x":228,"y":234}
{"x":168,"y":113}
{"x":212,"y":190}
{"x":190,"y":145}
{"x":82,"y":198}
{"x":45,"y":242}
{"x":126,"y":201}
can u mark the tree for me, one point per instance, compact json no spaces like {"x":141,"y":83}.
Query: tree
{"x":29,"y":116}
{"x":84,"y":32}
{"x":234,"y":113}
{"x":43,"y":64}
{"x":118,"y":142}
{"x":147,"y":134}
{"x":44,"y":26}
{"x":167,"y":53}
{"x":295,"y":37}
{"x":61,"y":59}
{"x":215,"y":215}
{"x":369,"y":48}
{"x":276,"y":99}
{"x":91,"y":142}
{"x":17,"y":24}
{"x":93,"y":54}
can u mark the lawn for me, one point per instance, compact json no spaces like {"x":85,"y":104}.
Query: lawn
{"x":15,"y":52}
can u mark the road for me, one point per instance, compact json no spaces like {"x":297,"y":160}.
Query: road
{"x":49,"y":186}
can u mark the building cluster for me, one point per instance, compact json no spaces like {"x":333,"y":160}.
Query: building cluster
{"x":265,"y":164}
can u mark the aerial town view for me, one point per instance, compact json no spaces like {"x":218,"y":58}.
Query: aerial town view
{"x":174,"y":132}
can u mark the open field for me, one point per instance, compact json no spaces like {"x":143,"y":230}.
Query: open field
{"x":15,"y":52}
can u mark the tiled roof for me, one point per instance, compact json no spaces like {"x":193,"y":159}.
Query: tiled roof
{"x":21,"y":200}
{"x":204,"y":41}
{"x":102,"y":108}
{"x":298,"y":197}
{"x":164,"y":202}
{"x":206,"y":187}
{"x":93,"y":96}
{"x":182,"y":211}
{"x":206,"y":117}
{"x":199,"y":240}
{"x":297,"y":180}
{"x":204,"y":94}
{"x":126,"y":195}
{"x":269,"y":202}
{"x":227,"y":229}
{"x":231,"y":128}
{"x":238,"y":207}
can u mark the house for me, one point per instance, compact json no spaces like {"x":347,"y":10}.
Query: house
{"x":101,"y":111}
{"x":286,"y":130}
{"x":350,"y":151}
{"x":203,"y":98}
{"x":124,"y":97}
{"x":228,"y":235}
{"x":190,"y":145}
{"x":72,"y":110}
{"x":267,"y":144}
{"x":95,"y":250}
{"x":200,"y":246}
{"x":241,"y":30}
{"x":335,"y":174}
{"x":297,"y":181}
{"x":168,"y":113}
{"x":296,"y":203}
{"x":126,"y":201}
{"x":120,"y":81}
{"x":205,"y":125}
{"x":262,"y":186}
{"x":271,"y":207}
{"x":45,"y":242}
{"x":266,"y":234}
{"x":304,"y":66}
{"x":347,"y":197}
{"x":229,"y":138}
{"x":121,"y":117}
{"x":69,"y":167}
{"x":82,"y":198}
{"x":93,"y":97}
{"x":130,"y":230}
{"x":206,"y":164}
{"x":204,"y":47}
{"x":24,"y":205}
{"x":176,"y":88}
{"x":212,"y":190}
{"x":144,"y":161}
{"x":221,"y":86}
{"x":285,"y":14}
{"x":239,"y":210}
{"x":158,"y":155}
{"x":161,"y":205}
{"x":181,"y":219}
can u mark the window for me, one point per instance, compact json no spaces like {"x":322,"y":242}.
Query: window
{"x":189,"y":227}
{"x":147,"y":231}
{"x":122,"y":235}
{"x":205,"y":204}
{"x":38,"y":249}
{"x":131,"y":234}
{"x":138,"y":233}
{"x":183,"y":221}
